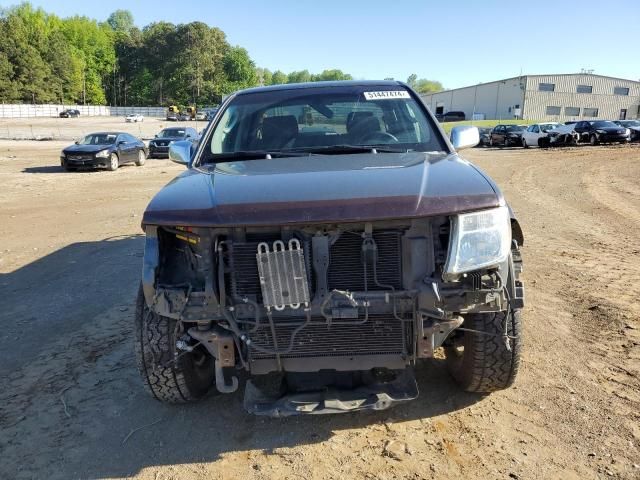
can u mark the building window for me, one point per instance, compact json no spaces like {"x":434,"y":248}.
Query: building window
{"x":553,"y":110}
{"x":547,"y":87}
{"x":572,"y":111}
{"x":621,"y":91}
{"x":584,"y":89}
{"x":590,"y":112}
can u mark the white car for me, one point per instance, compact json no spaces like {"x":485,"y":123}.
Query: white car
{"x":134,"y":117}
{"x":532,"y":135}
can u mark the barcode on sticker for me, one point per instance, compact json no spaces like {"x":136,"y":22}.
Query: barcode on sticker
{"x":386,"y":95}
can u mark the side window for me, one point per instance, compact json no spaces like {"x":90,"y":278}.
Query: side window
{"x":224,"y":136}
{"x":536,"y":129}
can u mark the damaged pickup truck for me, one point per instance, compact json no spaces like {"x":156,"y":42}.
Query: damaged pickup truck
{"x":325,"y":239}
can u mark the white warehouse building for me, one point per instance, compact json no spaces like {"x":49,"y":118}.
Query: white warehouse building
{"x":562,"y":97}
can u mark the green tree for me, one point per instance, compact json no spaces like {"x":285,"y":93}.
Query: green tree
{"x":239,"y":70}
{"x":428,"y":86}
{"x":279,"y":78}
{"x":299,"y":77}
{"x":334,"y":74}
{"x":121,"y":21}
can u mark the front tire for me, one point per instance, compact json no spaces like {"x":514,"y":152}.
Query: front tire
{"x":114,"y":162}
{"x":142,"y":158}
{"x":168,"y":377}
{"x":593,"y":140}
{"x":482,"y":363}
{"x":524,"y":143}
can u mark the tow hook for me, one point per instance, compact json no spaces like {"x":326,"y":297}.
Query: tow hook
{"x":220,"y":345}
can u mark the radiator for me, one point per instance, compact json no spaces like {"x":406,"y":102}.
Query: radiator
{"x":380,"y":335}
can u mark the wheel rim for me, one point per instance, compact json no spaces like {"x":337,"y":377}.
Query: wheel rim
{"x":114,"y":161}
{"x":141,"y":157}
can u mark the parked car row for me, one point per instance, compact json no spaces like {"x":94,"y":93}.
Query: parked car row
{"x":111,"y":149}
{"x":550,"y":134}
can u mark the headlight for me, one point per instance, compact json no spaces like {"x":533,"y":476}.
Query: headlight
{"x":102,"y":154}
{"x":601,"y":131}
{"x":478,"y":240}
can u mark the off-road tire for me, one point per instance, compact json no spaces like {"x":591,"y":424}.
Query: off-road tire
{"x":167,"y":379}
{"x":142,"y":158}
{"x":486,"y":365}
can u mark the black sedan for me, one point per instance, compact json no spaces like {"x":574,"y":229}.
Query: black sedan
{"x":159,"y":146}
{"x":601,"y":131}
{"x":506,"y":135}
{"x":633,"y":126}
{"x":104,"y":149}
{"x":70,"y":113}
{"x":485,"y":135}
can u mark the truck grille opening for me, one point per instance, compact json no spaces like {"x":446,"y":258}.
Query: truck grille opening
{"x":381,"y":335}
{"x":244,"y":277}
{"x":346,"y":271}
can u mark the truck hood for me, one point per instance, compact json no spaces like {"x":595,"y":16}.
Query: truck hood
{"x":323,"y":188}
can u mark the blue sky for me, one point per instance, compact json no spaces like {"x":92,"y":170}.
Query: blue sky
{"x":458,"y":43}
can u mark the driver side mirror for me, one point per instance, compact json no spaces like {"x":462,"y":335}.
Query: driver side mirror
{"x":122,"y":142}
{"x":464,"y":137}
{"x":77,"y":142}
{"x":180,"y":152}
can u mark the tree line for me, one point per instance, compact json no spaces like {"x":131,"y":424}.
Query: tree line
{"x":47,"y":59}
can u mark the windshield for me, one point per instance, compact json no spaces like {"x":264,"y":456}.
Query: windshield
{"x":323,"y":118}
{"x":545,"y":127}
{"x":604,"y":124}
{"x":172,"y":132}
{"x":630,"y":123}
{"x":99,"y":139}
{"x":515,"y":128}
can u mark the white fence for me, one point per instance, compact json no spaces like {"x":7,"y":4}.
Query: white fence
{"x":52,"y":110}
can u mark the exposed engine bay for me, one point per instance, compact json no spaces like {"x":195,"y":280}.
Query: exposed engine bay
{"x":328,"y":308}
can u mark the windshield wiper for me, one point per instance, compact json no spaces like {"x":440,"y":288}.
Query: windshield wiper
{"x":251,"y":155}
{"x":338,"y":149}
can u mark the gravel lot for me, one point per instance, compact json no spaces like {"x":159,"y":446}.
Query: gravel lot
{"x":72,"y":405}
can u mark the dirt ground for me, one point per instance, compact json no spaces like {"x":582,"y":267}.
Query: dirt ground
{"x":72,"y":405}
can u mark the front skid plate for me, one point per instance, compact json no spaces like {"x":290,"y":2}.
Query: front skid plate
{"x":378,"y":396}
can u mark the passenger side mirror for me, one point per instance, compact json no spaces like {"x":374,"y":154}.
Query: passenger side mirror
{"x":180,"y":152}
{"x":77,"y":142}
{"x":464,"y":137}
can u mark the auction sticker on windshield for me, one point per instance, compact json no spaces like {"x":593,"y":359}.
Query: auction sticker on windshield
{"x":386,"y":95}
